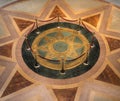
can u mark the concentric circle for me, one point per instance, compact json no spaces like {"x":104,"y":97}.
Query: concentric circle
{"x":54,"y":44}
{"x":77,"y":52}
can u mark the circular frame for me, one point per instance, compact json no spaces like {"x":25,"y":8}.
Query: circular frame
{"x":68,"y":52}
{"x":73,"y":80}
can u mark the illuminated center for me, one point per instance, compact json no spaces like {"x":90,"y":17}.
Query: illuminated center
{"x":60,"y":46}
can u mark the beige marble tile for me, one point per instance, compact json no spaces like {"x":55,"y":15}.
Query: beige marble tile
{"x":97,"y":96}
{"x":114,"y":23}
{"x":3,"y":29}
{"x":84,"y":5}
{"x":28,"y":6}
{"x":1,"y":69}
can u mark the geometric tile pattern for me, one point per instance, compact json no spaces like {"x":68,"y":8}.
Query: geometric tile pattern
{"x":113,"y":58}
{"x":18,"y":82}
{"x":109,"y":76}
{"x":11,"y":29}
{"x":94,"y":12}
{"x":113,"y":43}
{"x":103,"y":97}
{"x":65,"y":94}
{"x":8,"y":67}
{"x":97,"y":91}
{"x":57,"y":12}
{"x":6,"y":50}
{"x":3,"y":29}
{"x":32,"y":93}
{"x":22,"y":24}
{"x":93,"y":20}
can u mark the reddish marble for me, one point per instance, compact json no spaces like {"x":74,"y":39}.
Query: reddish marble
{"x":6,"y":50}
{"x":22,"y":24}
{"x":57,"y":12}
{"x":113,"y":43}
{"x":93,"y":20}
{"x":109,"y":76}
{"x":65,"y":94}
{"x":18,"y":82}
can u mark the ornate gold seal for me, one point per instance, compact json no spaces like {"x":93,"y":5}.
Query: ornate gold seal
{"x":60,"y":43}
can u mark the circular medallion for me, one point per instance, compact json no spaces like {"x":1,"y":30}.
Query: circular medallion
{"x":55,"y":44}
{"x":60,"y":43}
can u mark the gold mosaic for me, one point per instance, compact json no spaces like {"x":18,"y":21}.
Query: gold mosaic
{"x":60,"y":43}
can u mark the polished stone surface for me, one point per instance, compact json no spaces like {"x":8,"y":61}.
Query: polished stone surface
{"x":56,"y":43}
{"x":6,"y":2}
{"x":109,"y":76}
{"x":87,"y":88}
{"x":18,"y":82}
{"x":115,"y":19}
{"x":60,"y":46}
{"x":65,"y":94}
{"x":83,"y":6}
{"x":6,"y":50}
{"x":52,"y":72}
{"x":28,"y":6}
{"x":115,"y":2}
{"x":22,"y":24}
{"x":113,"y":43}
{"x":3,"y":29}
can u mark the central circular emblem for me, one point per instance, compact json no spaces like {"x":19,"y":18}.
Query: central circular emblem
{"x":54,"y":44}
{"x":58,"y":49}
{"x":60,"y":46}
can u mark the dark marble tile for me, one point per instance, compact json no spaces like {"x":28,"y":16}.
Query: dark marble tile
{"x":22,"y":24}
{"x":113,"y":43}
{"x":109,"y":76}
{"x":18,"y":82}
{"x":93,"y":20}
{"x":6,"y":50}
{"x":57,"y":12}
{"x":65,"y":94}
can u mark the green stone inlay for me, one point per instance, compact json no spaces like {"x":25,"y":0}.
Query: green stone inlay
{"x":80,"y":50}
{"x":77,"y":40}
{"x":55,"y":58}
{"x":66,"y":34}
{"x":60,"y":46}
{"x":42,"y":53}
{"x":52,"y":34}
{"x":42,"y":42}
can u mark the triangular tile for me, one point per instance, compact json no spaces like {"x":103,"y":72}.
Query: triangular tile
{"x":6,"y":50}
{"x":22,"y":24}
{"x":93,"y":20}
{"x":109,"y":76}
{"x":18,"y":82}
{"x":114,"y":59}
{"x":34,"y":93}
{"x":8,"y":68}
{"x":65,"y":94}
{"x":2,"y":68}
{"x":113,"y":43}
{"x":57,"y":12}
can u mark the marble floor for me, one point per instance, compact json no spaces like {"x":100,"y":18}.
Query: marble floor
{"x":18,"y":83}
